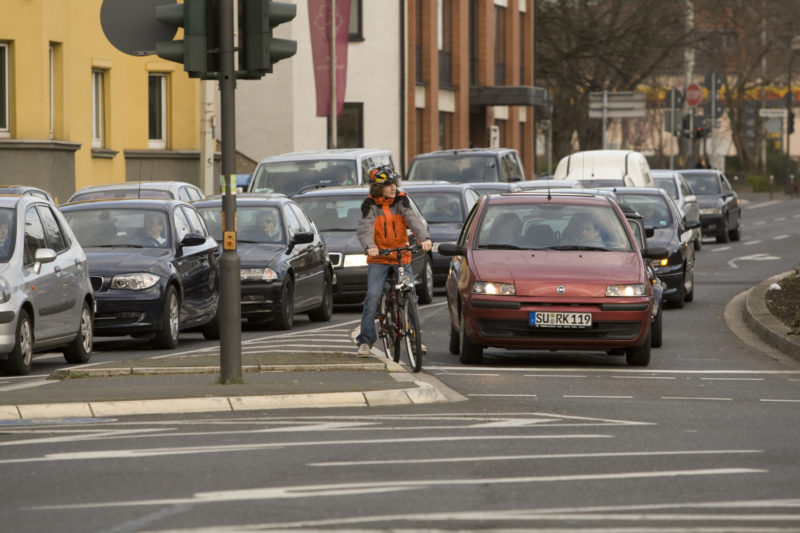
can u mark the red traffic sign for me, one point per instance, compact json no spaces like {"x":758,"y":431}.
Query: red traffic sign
{"x":694,"y":95}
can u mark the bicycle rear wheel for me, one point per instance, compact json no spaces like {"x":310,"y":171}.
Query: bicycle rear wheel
{"x":386,"y":330}
{"x":412,"y":335}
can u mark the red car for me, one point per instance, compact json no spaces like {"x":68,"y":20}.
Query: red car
{"x":539,"y":271}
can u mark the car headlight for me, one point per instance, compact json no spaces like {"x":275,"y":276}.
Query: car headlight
{"x":493,"y":287}
{"x":5,"y":291}
{"x":355,"y":260}
{"x":137,"y":281}
{"x":711,"y":211}
{"x":657,"y":263}
{"x":258,"y":274}
{"x":634,"y":289}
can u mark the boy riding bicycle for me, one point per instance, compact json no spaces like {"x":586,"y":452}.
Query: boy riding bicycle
{"x":386,"y":214}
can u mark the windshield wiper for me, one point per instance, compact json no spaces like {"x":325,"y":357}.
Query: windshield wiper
{"x":115,"y":246}
{"x":501,"y":247}
{"x":581,"y":247}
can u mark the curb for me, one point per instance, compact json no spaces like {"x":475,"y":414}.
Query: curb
{"x":72,"y":373}
{"x":771,"y":330}
{"x":421,"y":394}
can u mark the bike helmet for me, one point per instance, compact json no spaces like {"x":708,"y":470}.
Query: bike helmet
{"x":383,"y":175}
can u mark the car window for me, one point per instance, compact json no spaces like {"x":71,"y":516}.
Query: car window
{"x":668,"y":184}
{"x":53,"y":235}
{"x":7,"y":233}
{"x":685,"y":190}
{"x":471,"y":196}
{"x":34,"y":235}
{"x":292,"y":224}
{"x":292,"y":177}
{"x":511,"y":167}
{"x":439,"y":207}
{"x":465,"y":230}
{"x":726,"y":185}
{"x":654,"y":209}
{"x":702,"y":184}
{"x":183,"y":194}
{"x":195,"y":222}
{"x":302,"y":219}
{"x":332,"y":212}
{"x":182,"y":226}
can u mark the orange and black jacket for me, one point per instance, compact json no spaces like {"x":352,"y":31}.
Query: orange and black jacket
{"x":383,"y":225}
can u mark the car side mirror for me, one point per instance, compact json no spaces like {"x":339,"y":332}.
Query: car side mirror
{"x":649,"y":231}
{"x":303,"y":237}
{"x":451,"y":249}
{"x":656,"y":252}
{"x":691,"y":224}
{"x":193,"y":239}
{"x":42,"y":256}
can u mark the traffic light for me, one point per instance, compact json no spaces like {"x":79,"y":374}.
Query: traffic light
{"x":685,"y":124}
{"x":699,"y":132}
{"x":198,"y":20}
{"x":258,"y":49}
{"x":790,"y":122}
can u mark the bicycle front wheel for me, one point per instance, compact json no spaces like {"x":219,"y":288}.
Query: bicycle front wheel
{"x":411,"y":334}
{"x":386,"y":330}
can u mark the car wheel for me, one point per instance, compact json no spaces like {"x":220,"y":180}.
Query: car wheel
{"x":80,"y":349}
{"x":689,"y":296}
{"x":724,"y":236}
{"x":211,"y":329}
{"x":19,"y":360}
{"x":471,"y":354}
{"x":167,"y":337}
{"x":656,"y":329}
{"x":736,"y":233}
{"x":324,"y":312}
{"x":639,"y":355}
{"x":425,"y":294}
{"x":455,"y":342}
{"x":285,"y":318}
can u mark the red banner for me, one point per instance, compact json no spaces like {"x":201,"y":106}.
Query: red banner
{"x":319,"y":20}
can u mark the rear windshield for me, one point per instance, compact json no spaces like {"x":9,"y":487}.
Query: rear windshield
{"x":293,"y":177}
{"x":122,"y":193}
{"x":668,"y":184}
{"x":702,"y":183}
{"x":461,"y":169}
{"x":333,"y":213}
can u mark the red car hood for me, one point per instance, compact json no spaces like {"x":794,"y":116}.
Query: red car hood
{"x":537,"y":273}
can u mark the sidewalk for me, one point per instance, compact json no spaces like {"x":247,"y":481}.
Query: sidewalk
{"x":191,"y":385}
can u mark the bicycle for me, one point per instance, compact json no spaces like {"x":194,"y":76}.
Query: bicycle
{"x":398,"y":317}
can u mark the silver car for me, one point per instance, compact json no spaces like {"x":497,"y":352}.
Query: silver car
{"x":46,"y":298}
{"x":681,"y":193}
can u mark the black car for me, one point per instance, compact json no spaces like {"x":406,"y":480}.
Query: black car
{"x":283,"y":260}
{"x":153,"y":267}
{"x":658,"y":210}
{"x":720,"y":212}
{"x":445,"y":207}
{"x":335,"y":212}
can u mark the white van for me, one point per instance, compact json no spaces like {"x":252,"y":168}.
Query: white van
{"x":606,"y":168}
{"x":297,"y":172}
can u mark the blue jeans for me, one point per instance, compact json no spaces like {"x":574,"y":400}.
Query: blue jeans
{"x":376,"y":278}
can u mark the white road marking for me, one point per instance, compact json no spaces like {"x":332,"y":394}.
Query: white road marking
{"x":759,"y":222}
{"x":778,"y":400}
{"x":644,"y":377}
{"x":345,"y":489}
{"x":696,"y":398}
{"x":547,"y":456}
{"x":553,"y":376}
{"x":753,"y":257}
{"x":780,"y":237}
{"x":733,"y":379}
{"x":750,"y":243}
{"x":779,"y":219}
{"x":596,"y":396}
{"x":721,"y":249}
{"x":505,"y":395}
{"x":625,"y":370}
{"x":466,"y":374}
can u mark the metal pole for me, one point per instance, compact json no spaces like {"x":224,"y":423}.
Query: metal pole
{"x":334,"y":126}
{"x":605,"y":117}
{"x":710,"y":158}
{"x":230,"y":310}
{"x":788,"y":110}
{"x":672,"y":130}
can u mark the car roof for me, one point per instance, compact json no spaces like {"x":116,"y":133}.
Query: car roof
{"x":13,"y":200}
{"x":463,"y":151}
{"x":333,"y":153}
{"x":541,"y":196}
{"x":162,"y":184}
{"x":435,"y":186}
{"x":700,"y":171}
{"x":333,"y":191}
{"x":663,"y":173}
{"x":244,"y":200}
{"x":125,"y":203}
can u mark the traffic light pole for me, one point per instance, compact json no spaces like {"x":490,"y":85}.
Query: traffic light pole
{"x":230,"y":311}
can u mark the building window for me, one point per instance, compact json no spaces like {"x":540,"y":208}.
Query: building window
{"x":52,"y":89}
{"x":445,"y":38}
{"x":349,"y":127}
{"x":418,"y":41}
{"x":98,"y":108}
{"x":4,"y":130}
{"x":355,"y":31}
{"x":157,"y":111}
{"x":499,"y":45}
{"x":445,"y":131}
{"x":473,"y":42}
{"x":418,"y":115}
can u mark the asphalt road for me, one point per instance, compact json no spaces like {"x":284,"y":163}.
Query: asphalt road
{"x":705,"y":438}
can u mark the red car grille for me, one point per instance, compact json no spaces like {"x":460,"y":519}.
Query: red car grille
{"x":519,"y":329}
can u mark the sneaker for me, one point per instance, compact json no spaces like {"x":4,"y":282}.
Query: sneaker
{"x":364,"y":350}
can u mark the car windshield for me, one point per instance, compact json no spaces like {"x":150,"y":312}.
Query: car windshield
{"x":462,"y":169}
{"x":140,"y":228}
{"x":553,"y":226}
{"x":439,"y":207}
{"x":668,"y":184}
{"x":333,"y":213}
{"x":702,"y":183}
{"x":654,"y":209}
{"x":254,"y":224}
{"x":293,"y":177}
{"x":6,"y":234}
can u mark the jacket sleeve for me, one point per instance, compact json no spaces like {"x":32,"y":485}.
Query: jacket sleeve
{"x":414,"y":221}
{"x":365,"y":230}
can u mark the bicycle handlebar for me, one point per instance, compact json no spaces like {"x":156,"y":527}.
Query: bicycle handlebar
{"x":388,"y":251}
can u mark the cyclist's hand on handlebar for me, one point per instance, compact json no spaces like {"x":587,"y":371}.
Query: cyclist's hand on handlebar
{"x":373,"y":252}
{"x":426,"y":245}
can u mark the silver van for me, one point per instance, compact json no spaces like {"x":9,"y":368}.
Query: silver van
{"x":606,"y":168}
{"x":297,"y":172}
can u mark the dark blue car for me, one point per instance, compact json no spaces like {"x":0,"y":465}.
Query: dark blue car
{"x":153,"y":267}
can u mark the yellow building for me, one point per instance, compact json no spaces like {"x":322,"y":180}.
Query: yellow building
{"x":75,"y":111}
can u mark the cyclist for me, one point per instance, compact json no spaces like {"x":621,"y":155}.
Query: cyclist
{"x":385,"y":216}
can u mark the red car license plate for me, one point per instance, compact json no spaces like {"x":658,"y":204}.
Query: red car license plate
{"x":550,"y":319}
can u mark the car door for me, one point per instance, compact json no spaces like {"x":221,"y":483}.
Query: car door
{"x":731,"y":202}
{"x":301,"y":259}
{"x":45,"y":288}
{"x":194,"y":269}
{"x":691,"y":209}
{"x":317,"y":252}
